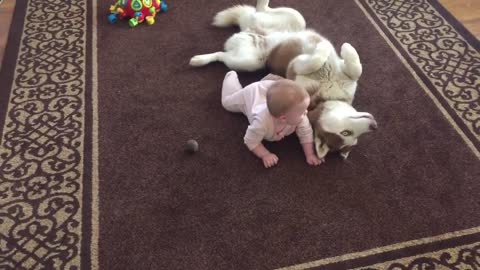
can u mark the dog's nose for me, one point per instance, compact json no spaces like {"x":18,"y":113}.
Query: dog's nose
{"x":373,"y":125}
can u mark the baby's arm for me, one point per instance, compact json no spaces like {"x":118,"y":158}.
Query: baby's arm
{"x":305,"y":134}
{"x":253,"y":139}
{"x":269,"y":159}
{"x":309,"y":151}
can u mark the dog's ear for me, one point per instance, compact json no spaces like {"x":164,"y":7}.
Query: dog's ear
{"x":320,"y":146}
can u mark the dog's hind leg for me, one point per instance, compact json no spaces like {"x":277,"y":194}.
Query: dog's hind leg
{"x":308,"y":63}
{"x":351,"y":62}
{"x":242,"y":63}
{"x":241,"y":54}
{"x":233,"y":61}
{"x":204,"y":59}
{"x":262,"y":5}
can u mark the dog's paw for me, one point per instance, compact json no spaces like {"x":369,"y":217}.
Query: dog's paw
{"x":349,"y":53}
{"x":199,"y":60}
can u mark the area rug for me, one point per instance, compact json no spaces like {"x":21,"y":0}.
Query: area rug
{"x":95,"y":116}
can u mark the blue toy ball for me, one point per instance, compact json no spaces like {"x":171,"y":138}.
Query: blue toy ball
{"x":112,"y":18}
{"x":163,"y":7}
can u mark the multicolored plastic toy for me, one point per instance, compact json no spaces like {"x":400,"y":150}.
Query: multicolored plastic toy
{"x":136,"y":10}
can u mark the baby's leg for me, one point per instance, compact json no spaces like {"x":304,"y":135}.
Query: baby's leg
{"x":232,"y":96}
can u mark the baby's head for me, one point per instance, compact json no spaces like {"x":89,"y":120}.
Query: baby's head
{"x":287,"y":101}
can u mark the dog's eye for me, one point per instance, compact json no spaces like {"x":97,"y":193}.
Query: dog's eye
{"x":346,"y":133}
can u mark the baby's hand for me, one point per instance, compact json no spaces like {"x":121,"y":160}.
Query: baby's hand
{"x":270,"y":160}
{"x":314,"y":160}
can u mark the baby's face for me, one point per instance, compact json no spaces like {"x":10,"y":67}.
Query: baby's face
{"x":294,"y":116}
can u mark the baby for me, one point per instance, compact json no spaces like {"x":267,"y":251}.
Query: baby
{"x":275,"y":108}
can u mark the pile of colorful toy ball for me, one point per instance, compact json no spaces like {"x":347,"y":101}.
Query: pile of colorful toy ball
{"x":136,"y":11}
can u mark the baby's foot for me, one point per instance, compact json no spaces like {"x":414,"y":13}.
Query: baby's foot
{"x":231,"y":75}
{"x":231,"y":81}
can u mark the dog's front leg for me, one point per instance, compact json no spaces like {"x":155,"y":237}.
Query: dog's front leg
{"x":351,"y":62}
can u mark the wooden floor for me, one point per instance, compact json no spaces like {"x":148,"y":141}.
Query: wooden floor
{"x":6,"y":12}
{"x":466,"y":11}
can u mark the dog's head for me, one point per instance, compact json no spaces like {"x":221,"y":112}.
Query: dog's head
{"x":337,"y":126}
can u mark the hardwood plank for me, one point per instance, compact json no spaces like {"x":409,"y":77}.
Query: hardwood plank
{"x":467,"y":12}
{"x":6,"y":12}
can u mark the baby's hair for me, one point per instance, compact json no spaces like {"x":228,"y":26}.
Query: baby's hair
{"x":283,"y":95}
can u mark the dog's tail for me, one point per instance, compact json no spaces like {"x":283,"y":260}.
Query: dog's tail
{"x":232,"y":16}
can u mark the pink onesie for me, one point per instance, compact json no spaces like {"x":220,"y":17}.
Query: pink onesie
{"x":252,"y":102}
